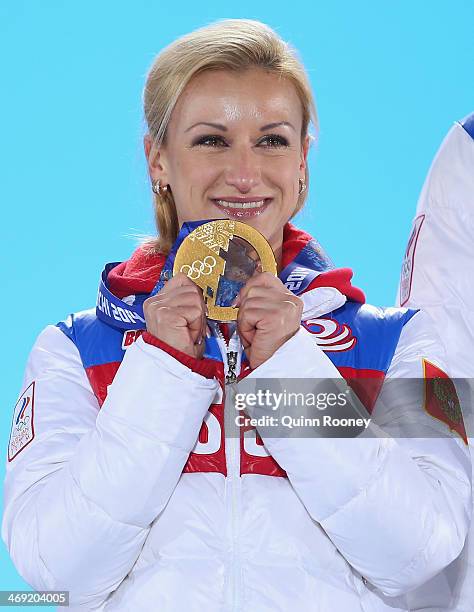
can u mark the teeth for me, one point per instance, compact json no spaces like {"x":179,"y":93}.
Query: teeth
{"x":226,"y":204}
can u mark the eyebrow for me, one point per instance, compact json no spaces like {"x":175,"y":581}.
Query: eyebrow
{"x":218,"y":126}
{"x":270,"y":126}
{"x":223,"y":128}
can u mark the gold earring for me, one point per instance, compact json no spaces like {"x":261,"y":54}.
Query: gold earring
{"x":302,"y":186}
{"x":158,"y":189}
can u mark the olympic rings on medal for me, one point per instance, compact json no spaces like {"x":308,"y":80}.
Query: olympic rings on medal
{"x":198,"y":267}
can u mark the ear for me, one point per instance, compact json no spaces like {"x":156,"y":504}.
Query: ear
{"x":155,"y":157}
{"x":304,"y":156}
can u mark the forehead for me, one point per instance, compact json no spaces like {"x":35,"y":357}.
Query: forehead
{"x":227,"y":96}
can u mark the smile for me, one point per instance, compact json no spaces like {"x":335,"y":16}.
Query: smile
{"x":242,"y":208}
{"x":241,"y":205}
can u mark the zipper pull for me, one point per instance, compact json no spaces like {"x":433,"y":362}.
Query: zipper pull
{"x":231,"y":365}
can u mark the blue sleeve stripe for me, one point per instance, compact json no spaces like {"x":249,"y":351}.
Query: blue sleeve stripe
{"x":468,"y":125}
{"x":67,"y":328}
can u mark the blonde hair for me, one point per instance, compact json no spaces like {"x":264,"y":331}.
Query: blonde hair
{"x":228,"y":44}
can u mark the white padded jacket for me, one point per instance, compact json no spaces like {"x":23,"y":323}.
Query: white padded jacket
{"x":97,"y":503}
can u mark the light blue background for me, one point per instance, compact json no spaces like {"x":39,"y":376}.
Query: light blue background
{"x":389,"y":79}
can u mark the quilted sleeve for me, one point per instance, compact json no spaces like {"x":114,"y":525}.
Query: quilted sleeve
{"x":398,"y":510}
{"x":84,"y":485}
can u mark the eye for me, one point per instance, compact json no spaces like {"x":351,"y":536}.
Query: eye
{"x":209,"y":141}
{"x":274,"y":140}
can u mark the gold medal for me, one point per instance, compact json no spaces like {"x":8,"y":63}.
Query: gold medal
{"x":220,"y":257}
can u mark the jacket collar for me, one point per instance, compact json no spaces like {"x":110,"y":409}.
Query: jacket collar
{"x":330,"y":289}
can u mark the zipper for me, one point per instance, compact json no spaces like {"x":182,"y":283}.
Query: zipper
{"x":231,"y":376}
{"x":231,"y":350}
{"x":232,"y":353}
{"x":234,"y":481}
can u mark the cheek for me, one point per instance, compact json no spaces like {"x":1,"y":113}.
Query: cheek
{"x":198,"y":173}
{"x":284,"y":170}
{"x":288,"y":179}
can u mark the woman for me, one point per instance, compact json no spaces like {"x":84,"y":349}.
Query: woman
{"x":146,"y":503}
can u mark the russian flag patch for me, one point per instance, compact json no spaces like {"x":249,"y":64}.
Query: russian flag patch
{"x":441,"y":399}
{"x":22,"y":431}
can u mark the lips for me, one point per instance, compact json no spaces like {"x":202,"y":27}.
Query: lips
{"x":242,"y":207}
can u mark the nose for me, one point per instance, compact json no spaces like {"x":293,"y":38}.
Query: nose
{"x":243,"y":169}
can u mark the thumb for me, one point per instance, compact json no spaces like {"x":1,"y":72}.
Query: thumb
{"x":246,"y":337}
{"x":195,"y":328}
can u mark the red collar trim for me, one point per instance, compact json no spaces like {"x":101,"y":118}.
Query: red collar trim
{"x":137,"y":275}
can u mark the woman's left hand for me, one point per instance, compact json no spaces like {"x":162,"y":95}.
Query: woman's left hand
{"x":269,"y":315}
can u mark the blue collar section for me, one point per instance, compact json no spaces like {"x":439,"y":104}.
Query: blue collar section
{"x":468,"y":125}
{"x":167,"y":270}
{"x":296,"y":276}
{"x":114,"y":311}
{"x":310,"y":262}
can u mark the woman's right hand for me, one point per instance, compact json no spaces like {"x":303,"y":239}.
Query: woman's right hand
{"x":177,"y":315}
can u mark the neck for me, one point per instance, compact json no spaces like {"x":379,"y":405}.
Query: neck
{"x":277,"y":247}
{"x":278,"y":253}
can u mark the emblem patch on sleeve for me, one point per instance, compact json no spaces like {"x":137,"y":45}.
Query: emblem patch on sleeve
{"x":406,"y":275}
{"x":23,"y":431}
{"x":441,"y":399}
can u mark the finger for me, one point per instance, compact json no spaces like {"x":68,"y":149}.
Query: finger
{"x":176,"y":314}
{"x":182,"y":301}
{"x":191,"y":312}
{"x":166,"y":295}
{"x":265,"y":280}
{"x":251,"y":318}
{"x":164,"y":315}
{"x":267,"y":304}
{"x":246,"y":333}
{"x":261,"y":279}
{"x":246,"y":339}
{"x":189,"y":287}
{"x":271,"y":301}
{"x":176,"y":292}
{"x":192,"y":306}
{"x":277,"y":317}
{"x":181,"y":279}
{"x":180,"y":287}
{"x":269,"y":294}
{"x":181,"y":317}
{"x":291,"y":303}
{"x":248,"y":318}
{"x":202,"y":331}
{"x":195,"y":328}
{"x":178,"y":280}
